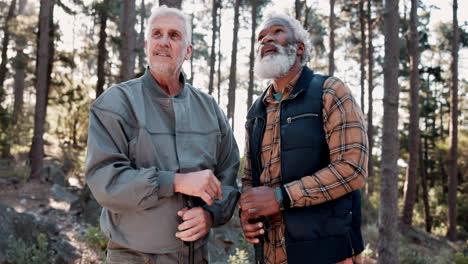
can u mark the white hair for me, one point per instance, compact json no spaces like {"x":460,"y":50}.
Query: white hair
{"x":162,"y":11}
{"x":299,"y":33}
{"x":276,"y":65}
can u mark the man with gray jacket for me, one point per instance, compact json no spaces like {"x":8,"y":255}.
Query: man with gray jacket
{"x":162,"y":159}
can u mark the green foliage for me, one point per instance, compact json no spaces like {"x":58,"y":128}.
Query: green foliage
{"x":370,"y":208}
{"x":462,"y":209}
{"x":95,"y":237}
{"x":410,"y":256}
{"x":461,"y":259}
{"x":19,"y":173}
{"x":412,"y":253}
{"x":371,"y":233}
{"x":240,"y":257}
{"x":240,"y":172}
{"x":21,"y":252}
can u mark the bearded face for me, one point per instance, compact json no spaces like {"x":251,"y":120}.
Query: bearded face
{"x":277,"y":52}
{"x":273,"y":61}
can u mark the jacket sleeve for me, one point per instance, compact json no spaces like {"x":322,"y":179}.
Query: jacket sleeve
{"x":226,"y":171}
{"x":115,"y":183}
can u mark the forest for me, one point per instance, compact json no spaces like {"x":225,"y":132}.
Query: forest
{"x":405,"y":61}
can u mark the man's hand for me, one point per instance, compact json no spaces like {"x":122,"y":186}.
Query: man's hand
{"x":251,"y":229}
{"x":197,"y":222}
{"x":201,"y":184}
{"x":259,"y":201}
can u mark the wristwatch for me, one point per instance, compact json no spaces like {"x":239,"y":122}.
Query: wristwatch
{"x":279,"y":197}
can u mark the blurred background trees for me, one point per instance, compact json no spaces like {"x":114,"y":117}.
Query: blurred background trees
{"x":57,"y":56}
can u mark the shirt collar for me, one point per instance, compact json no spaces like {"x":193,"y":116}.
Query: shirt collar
{"x":269,"y":98}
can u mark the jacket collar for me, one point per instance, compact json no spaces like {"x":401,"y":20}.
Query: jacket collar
{"x":303,"y":82}
{"x":258,"y":109}
{"x":152,"y":85}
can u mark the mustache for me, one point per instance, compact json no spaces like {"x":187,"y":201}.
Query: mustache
{"x":269,"y":43}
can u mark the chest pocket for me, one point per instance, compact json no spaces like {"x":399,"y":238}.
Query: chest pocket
{"x":301,"y":130}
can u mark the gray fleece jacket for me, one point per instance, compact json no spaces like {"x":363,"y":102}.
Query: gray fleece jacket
{"x":138,"y":138}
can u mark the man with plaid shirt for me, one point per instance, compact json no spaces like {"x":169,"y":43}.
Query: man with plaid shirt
{"x":306,"y":149}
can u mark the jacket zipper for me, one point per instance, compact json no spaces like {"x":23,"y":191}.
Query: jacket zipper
{"x":290,"y":119}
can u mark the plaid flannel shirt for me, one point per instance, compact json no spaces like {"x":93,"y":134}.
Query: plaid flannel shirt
{"x":345,"y":130}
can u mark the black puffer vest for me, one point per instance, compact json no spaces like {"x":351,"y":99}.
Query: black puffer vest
{"x":325,"y":233}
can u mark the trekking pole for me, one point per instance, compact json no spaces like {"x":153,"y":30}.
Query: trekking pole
{"x":191,"y":244}
{"x":259,"y":250}
{"x":259,"y":257}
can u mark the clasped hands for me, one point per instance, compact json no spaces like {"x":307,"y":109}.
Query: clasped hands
{"x":256,"y":202}
{"x":196,"y":221}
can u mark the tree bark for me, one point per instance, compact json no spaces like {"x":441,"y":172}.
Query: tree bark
{"x":331,"y":26}
{"x":232,"y":73}
{"x":409,"y":196}
{"x":128,"y":42}
{"x":214,"y":30}
{"x":370,"y":87}
{"x":453,"y":168}
{"x":388,"y":215}
{"x":44,"y":57}
{"x":362,"y":24}
{"x":141,"y":39}
{"x":427,"y":211}
{"x":5,"y":42}
{"x":298,"y":7}
{"x":171,"y":3}
{"x":192,"y":72}
{"x":305,"y":24}
{"x":219,"y":54}
{"x":250,"y":90}
{"x":20,"y":63}
{"x":102,"y":51}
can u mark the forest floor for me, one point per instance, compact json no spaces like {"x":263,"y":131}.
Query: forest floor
{"x":34,"y":197}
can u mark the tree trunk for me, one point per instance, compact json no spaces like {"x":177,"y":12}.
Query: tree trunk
{"x":44,"y":57}
{"x":370,"y":87}
{"x":102,"y":51}
{"x":232,"y":73}
{"x":305,"y":24}
{"x":20,"y":63}
{"x":388,"y":216}
{"x":331,"y":25}
{"x":219,"y":54}
{"x":141,"y":39}
{"x":192,"y":72}
{"x":171,"y":3}
{"x":250,"y":90}
{"x":427,"y":212}
{"x":453,"y":181}
{"x":128,"y":42}
{"x":413,"y":138}
{"x":214,"y":18}
{"x":298,"y":7}
{"x":5,"y":42}
{"x":363,"y":50}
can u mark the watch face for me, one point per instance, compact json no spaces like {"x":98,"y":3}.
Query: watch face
{"x":279,"y":197}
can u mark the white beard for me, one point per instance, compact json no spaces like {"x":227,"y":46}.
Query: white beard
{"x":276,"y":65}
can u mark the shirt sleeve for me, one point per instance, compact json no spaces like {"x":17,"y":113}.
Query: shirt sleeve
{"x":115,"y":183}
{"x":226,"y":171}
{"x":345,"y":132}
